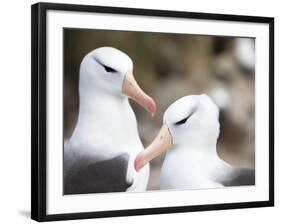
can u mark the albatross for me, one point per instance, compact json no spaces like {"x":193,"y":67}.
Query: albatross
{"x":99,"y":156}
{"x":189,"y":137}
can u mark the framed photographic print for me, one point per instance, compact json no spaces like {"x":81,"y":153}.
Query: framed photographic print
{"x":138,"y":111}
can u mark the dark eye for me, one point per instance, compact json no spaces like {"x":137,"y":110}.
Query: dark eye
{"x":109,"y":69}
{"x":181,"y":121}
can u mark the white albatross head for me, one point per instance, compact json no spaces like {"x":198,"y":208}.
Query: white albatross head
{"x":190,"y":122}
{"x":108,"y":71}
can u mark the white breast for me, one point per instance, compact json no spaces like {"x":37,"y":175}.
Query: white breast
{"x":188,"y":169}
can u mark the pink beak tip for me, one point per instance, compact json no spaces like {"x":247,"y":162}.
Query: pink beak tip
{"x":151,"y":107}
{"x":138,"y":163}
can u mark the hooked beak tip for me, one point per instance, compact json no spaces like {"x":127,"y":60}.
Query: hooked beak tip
{"x":161,"y":143}
{"x":138,"y":162}
{"x":151,"y":106}
{"x":131,"y":89}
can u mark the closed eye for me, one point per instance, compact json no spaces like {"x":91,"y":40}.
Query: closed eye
{"x":109,"y":69}
{"x":183,"y":121}
{"x":106,"y":68}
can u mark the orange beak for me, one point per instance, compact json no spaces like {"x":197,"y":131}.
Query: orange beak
{"x":162,"y":142}
{"x":132,"y":90}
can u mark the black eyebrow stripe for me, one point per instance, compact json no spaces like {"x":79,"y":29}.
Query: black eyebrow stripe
{"x":97,"y":60}
{"x":107,"y":68}
{"x":182,"y":121}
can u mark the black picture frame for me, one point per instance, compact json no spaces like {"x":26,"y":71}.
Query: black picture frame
{"x":39,"y":121}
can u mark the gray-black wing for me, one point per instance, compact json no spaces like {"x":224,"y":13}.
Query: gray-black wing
{"x":86,"y":176}
{"x":239,"y":177}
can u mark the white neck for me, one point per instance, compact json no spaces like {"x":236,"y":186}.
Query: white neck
{"x":106,"y":123}
{"x":192,"y":159}
{"x":193,"y":152}
{"x":194,"y":167}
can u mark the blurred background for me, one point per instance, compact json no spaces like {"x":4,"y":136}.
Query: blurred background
{"x":169,"y":66}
